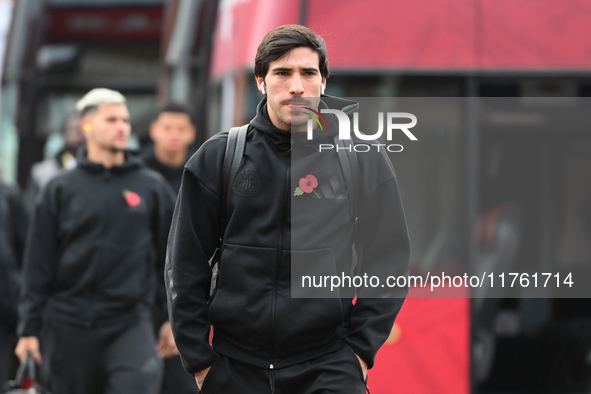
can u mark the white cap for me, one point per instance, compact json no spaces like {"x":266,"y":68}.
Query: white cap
{"x":100,"y":96}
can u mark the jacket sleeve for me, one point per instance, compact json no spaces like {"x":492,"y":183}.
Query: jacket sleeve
{"x":18,"y":220}
{"x":194,"y":236}
{"x":162,"y":217}
{"x":21,"y":220}
{"x":12,"y":240}
{"x":386,"y":252}
{"x":40,"y":263}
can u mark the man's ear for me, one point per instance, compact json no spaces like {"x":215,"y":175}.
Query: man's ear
{"x":260,"y":80}
{"x":86,"y":127}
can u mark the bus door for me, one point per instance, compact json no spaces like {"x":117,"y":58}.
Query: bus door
{"x":534,"y":171}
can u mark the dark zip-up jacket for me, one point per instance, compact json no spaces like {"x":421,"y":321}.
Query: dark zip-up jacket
{"x":271,"y":228}
{"x":173,"y":175}
{"x":13,"y":229}
{"x":96,"y":246}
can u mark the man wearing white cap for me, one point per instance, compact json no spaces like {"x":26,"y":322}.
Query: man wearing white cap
{"x":93,"y":263}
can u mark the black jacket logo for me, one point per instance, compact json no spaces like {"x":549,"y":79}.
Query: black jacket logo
{"x":247,"y":183}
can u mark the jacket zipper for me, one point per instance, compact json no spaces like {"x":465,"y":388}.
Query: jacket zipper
{"x":105,"y":178}
{"x":278,"y":261}
{"x":272,"y":379}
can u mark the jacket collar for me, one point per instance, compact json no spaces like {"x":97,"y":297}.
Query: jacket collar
{"x":132,"y":162}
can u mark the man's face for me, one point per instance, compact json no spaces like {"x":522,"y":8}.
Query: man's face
{"x":295,"y":74}
{"x":109,"y":127}
{"x":172,"y":132}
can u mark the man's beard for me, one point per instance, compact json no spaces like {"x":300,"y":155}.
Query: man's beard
{"x":298,"y":120}
{"x":112,"y":148}
{"x":115,"y":149}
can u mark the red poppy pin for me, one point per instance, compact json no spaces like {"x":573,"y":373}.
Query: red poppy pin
{"x":131,"y":198}
{"x":307,"y":185}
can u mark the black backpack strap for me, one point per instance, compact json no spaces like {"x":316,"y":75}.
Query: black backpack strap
{"x":351,"y":173}
{"x":232,"y":158}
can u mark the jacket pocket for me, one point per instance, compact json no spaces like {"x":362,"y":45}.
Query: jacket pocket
{"x":241,"y":307}
{"x":356,"y":362}
{"x":209,"y":377}
{"x":307,"y":321}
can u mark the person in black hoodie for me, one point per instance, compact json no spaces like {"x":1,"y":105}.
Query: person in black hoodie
{"x":287,"y":208}
{"x":93,"y":262}
{"x":172,"y":132}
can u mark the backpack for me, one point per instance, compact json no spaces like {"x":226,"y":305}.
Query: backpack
{"x":348,"y":161}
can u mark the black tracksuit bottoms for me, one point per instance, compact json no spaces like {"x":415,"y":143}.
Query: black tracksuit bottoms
{"x":334,"y":373}
{"x":102,"y":359}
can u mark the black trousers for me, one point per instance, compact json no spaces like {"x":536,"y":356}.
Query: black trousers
{"x":176,"y":379}
{"x":104,"y":359}
{"x":334,"y":373}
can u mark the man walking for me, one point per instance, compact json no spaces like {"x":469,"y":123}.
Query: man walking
{"x":286,"y":207}
{"x":172,"y":132}
{"x":93,"y":263}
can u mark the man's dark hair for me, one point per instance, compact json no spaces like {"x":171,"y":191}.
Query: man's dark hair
{"x":89,"y":109}
{"x":283,"y":39}
{"x":174,"y":107}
